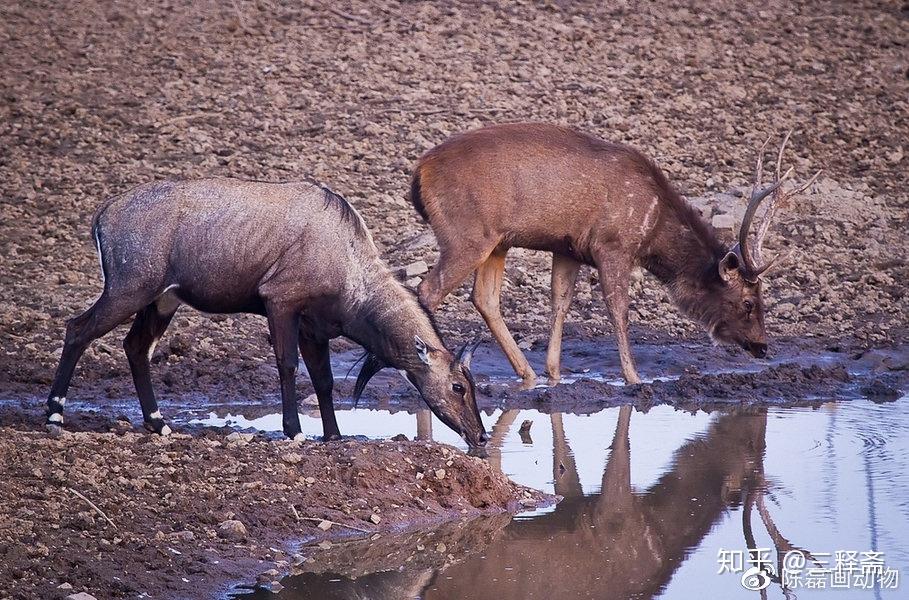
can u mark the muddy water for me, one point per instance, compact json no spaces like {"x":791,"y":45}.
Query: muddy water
{"x":652,"y":505}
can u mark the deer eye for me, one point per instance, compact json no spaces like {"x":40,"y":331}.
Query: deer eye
{"x":458,"y":389}
{"x":749,"y":306}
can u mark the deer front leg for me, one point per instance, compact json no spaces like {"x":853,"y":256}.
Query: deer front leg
{"x":614,"y":279}
{"x":564,"y":275}
{"x":317,"y":359}
{"x":283,"y":324}
{"x":487,"y":288}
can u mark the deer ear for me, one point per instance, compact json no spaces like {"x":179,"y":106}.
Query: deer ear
{"x":729,"y":267}
{"x":423,"y":349}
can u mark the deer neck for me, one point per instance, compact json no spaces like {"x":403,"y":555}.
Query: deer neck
{"x":678,"y":255}
{"x":387,"y":321}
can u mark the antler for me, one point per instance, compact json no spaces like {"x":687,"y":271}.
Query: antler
{"x":755,"y":265}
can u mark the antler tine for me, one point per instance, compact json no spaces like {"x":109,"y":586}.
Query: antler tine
{"x":757,"y":195}
{"x":779,"y":156}
{"x":778,"y":196}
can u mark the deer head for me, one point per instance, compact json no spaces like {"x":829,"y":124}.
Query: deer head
{"x":740,"y":318}
{"x":445,"y":383}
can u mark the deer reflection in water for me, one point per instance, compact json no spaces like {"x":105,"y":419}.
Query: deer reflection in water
{"x":619,"y":543}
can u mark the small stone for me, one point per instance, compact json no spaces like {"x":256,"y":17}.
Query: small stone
{"x":292,"y":458}
{"x":416,"y":268}
{"x":324,"y":525}
{"x":81,"y":596}
{"x":232,"y":530}
{"x":324,"y":544}
{"x":65,"y":586}
{"x":375,"y":518}
{"x":310,"y":480}
{"x":185,"y":536}
{"x":440,"y":474}
{"x":723,"y":221}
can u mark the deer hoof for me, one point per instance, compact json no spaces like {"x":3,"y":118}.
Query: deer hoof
{"x":158,"y":426}
{"x":54,"y":430}
{"x":299,"y":438}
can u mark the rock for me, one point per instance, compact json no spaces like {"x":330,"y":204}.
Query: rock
{"x":375,"y":518}
{"x":65,"y":586}
{"x":416,"y":268}
{"x":81,"y":596}
{"x":184,"y":536}
{"x":324,"y":525}
{"x":232,"y":530}
{"x":292,"y":458}
{"x":723,"y":221}
{"x":420,"y":241}
{"x":241,"y":439}
{"x":440,"y":474}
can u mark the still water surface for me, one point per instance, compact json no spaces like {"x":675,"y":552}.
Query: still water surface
{"x":651,"y":502}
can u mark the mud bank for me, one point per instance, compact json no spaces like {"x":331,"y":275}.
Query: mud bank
{"x":191,"y":516}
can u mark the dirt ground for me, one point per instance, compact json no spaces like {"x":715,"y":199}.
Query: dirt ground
{"x":193,"y":514}
{"x":99,"y":96}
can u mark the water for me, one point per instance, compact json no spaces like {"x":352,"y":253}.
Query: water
{"x":651,"y":503}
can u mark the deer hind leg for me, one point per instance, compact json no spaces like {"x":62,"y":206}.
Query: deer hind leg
{"x":564,"y":275}
{"x":317,"y":359}
{"x":487,"y":288}
{"x":150,"y":324}
{"x":105,"y":314}
{"x":614,"y":280}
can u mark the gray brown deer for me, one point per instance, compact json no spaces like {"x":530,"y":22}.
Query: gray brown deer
{"x":296,"y":253}
{"x":587,"y":201}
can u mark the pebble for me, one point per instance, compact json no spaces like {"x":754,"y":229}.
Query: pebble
{"x":232,"y":530}
{"x":292,"y":458}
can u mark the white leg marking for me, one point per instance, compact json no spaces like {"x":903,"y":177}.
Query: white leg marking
{"x":151,"y":349}
{"x":59,"y":400}
{"x":155,"y":415}
{"x":299,"y":438}
{"x":55,"y":418}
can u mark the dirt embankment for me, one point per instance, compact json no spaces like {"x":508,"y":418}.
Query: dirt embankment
{"x":190,"y":515}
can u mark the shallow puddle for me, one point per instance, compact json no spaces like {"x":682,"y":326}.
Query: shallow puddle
{"x":655,"y":505}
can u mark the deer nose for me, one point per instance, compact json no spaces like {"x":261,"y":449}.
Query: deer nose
{"x":758,"y":349}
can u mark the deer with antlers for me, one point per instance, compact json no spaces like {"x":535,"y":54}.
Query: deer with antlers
{"x":587,"y":201}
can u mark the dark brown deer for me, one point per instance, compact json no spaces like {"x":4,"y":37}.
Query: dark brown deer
{"x":296,"y":253}
{"x":591,"y":202}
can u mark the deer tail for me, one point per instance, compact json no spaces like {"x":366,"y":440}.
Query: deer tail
{"x":416,"y":196}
